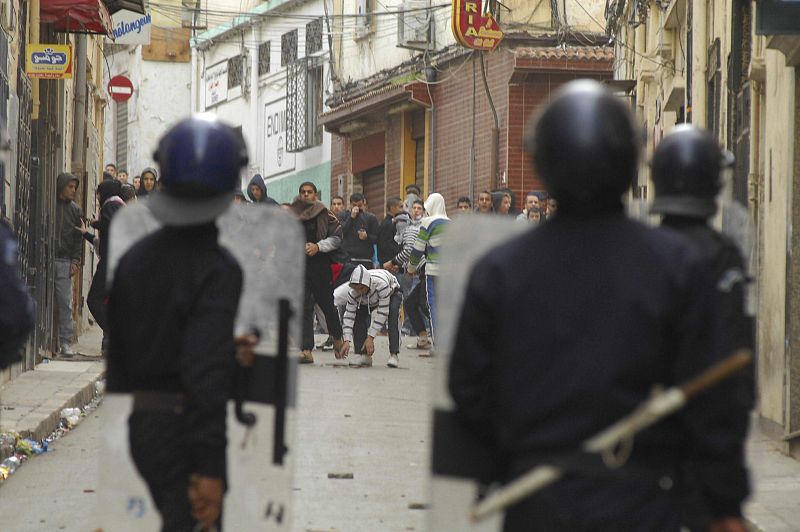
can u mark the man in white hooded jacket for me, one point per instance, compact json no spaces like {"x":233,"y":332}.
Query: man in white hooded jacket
{"x":373,"y":295}
{"x":428,"y":245}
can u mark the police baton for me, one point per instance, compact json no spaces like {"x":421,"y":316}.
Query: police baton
{"x":654,"y":409}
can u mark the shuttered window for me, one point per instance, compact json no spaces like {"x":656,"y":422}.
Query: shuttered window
{"x":374,"y":190}
{"x":122,"y":135}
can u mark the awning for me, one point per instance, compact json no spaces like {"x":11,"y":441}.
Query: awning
{"x":136,"y":6}
{"x":374,"y":104}
{"x":77,"y":16}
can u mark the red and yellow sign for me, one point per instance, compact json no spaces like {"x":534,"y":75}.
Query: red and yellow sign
{"x":473,"y":28}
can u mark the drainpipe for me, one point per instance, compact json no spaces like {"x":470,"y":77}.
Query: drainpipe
{"x":194,"y":81}
{"x":33,"y":32}
{"x":254,"y":163}
{"x":495,"y":146}
{"x":79,"y":122}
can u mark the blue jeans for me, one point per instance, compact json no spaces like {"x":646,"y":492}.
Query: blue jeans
{"x":66,"y":330}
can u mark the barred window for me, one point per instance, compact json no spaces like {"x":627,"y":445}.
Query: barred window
{"x":288,"y":48}
{"x":303,"y":105}
{"x":263,"y":58}
{"x":314,"y":36}
{"x":235,"y":71}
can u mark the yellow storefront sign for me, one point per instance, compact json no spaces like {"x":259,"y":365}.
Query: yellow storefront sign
{"x":49,"y":61}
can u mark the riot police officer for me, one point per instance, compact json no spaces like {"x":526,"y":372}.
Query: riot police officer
{"x":628,"y":309}
{"x":687,"y":171}
{"x":16,"y":306}
{"x":172,"y":308}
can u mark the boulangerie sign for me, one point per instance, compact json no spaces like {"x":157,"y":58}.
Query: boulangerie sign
{"x":131,"y":27}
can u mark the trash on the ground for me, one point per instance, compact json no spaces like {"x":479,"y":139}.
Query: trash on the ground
{"x":72,"y":416}
{"x":343,"y":476}
{"x":100,"y":386}
{"x":417,"y":506}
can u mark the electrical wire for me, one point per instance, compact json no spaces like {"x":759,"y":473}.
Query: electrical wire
{"x":625,"y":45}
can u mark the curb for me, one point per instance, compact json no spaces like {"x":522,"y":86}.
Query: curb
{"x":43,"y":421}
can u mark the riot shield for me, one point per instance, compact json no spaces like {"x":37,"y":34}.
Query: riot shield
{"x":268,"y":244}
{"x":458,"y":460}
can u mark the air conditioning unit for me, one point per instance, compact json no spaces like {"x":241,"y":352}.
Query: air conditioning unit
{"x":415,"y":28}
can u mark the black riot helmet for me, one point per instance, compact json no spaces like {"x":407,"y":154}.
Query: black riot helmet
{"x":585,"y":145}
{"x":200,"y":159}
{"x":687,"y":167}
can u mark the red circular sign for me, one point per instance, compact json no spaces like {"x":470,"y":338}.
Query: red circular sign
{"x":120,"y":88}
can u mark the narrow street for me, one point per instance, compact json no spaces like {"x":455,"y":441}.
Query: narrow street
{"x":373,"y":423}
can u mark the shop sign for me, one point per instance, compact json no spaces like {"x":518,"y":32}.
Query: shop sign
{"x":48,"y":61}
{"x":131,"y":27}
{"x":473,"y":28}
{"x":276,"y":159}
{"x":216,"y":84}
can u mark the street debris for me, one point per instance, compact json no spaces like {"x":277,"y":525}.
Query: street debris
{"x":17,"y":450}
{"x":341,"y":476}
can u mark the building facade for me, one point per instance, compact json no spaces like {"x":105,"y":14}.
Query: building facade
{"x":159,"y":69}
{"x":266,"y":72}
{"x":410,"y":105}
{"x":726,"y":66}
{"x":53,"y":122}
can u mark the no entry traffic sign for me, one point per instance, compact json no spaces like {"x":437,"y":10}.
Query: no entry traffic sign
{"x":120,"y":88}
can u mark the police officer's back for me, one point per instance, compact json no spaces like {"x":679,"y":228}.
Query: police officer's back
{"x":627,"y":309}
{"x":687,"y":171}
{"x":172,"y":309}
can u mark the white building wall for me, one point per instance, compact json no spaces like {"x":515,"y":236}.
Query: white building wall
{"x":161,"y":98}
{"x":282,"y":171}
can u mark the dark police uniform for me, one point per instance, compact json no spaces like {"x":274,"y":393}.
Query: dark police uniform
{"x":628,"y":307}
{"x":171,"y":312}
{"x":16,"y":307}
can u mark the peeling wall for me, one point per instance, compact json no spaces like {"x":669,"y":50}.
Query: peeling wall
{"x":777,"y":210}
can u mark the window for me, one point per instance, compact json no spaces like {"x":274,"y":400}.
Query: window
{"x":263,"y":58}
{"x":235,"y":71}
{"x":303,"y":105}
{"x":288,"y":48}
{"x":313,"y":37}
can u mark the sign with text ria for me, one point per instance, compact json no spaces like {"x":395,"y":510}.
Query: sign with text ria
{"x":474,"y":28}
{"x":48,"y":61}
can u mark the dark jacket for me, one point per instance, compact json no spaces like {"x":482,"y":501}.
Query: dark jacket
{"x":68,"y":216}
{"x":16,"y":306}
{"x":732,"y":330}
{"x":108,"y":192}
{"x":172,"y":328}
{"x":259,"y":182}
{"x":629,"y":308}
{"x":387,"y":246}
{"x":354,"y":246}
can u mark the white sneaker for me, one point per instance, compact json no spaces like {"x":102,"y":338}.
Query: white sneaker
{"x":393,"y":362}
{"x":356,"y":361}
{"x":67,"y":352}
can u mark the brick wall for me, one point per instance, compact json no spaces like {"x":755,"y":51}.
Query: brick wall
{"x":515,"y":100}
{"x":453,"y":100}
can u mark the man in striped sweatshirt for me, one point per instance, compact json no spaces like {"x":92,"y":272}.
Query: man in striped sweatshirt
{"x":428,"y":245}
{"x":378,"y":292}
